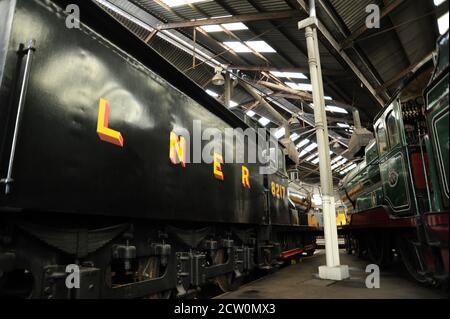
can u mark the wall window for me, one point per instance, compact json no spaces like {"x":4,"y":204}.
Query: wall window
{"x":392,"y":129}
{"x":382,"y":139}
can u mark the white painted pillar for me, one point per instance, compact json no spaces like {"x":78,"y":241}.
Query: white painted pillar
{"x":333,"y":270}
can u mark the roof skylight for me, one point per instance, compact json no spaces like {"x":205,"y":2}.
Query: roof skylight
{"x":212,"y":28}
{"x":300,"y":86}
{"x":264,"y":121}
{"x":308,"y":149}
{"x":260,"y":46}
{"x":237,"y":47}
{"x":212,"y":93}
{"x":292,"y":75}
{"x":226,"y":26}
{"x":280,"y":133}
{"x":443,"y":23}
{"x":337,"y":158}
{"x":250,"y":113}
{"x":294,"y":137}
{"x":312,"y":156}
{"x":335,"y":109}
{"x":177,"y":3}
{"x":303,"y":143}
{"x":234,"y":26}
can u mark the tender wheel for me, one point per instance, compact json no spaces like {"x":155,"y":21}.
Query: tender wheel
{"x":348,"y":245}
{"x":410,"y":259}
{"x":358,"y":245}
{"x":379,"y":249}
{"x":227,"y":282}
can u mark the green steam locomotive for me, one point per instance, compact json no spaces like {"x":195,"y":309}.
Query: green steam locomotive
{"x":398,"y":196}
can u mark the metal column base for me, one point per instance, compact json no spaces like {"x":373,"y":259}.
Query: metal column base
{"x":334,"y":273}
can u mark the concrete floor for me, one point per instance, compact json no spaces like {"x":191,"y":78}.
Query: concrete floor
{"x":300,"y":281}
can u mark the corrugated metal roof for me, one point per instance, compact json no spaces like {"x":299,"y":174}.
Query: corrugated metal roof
{"x":239,"y":6}
{"x":379,"y":54}
{"x":273,"y":5}
{"x":352,"y":12}
{"x":157,"y":10}
{"x":378,"y":62}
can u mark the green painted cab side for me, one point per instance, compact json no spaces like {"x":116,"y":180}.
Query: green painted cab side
{"x":437,"y":114}
{"x":394,"y":162}
{"x":371,"y":152}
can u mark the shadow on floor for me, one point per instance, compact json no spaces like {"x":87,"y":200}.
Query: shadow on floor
{"x":300,"y":281}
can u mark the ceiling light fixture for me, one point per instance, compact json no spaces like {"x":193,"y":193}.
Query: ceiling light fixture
{"x":218,"y":78}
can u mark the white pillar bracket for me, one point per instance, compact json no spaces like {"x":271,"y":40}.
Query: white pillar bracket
{"x":308,"y":22}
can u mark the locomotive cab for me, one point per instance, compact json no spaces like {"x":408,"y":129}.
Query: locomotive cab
{"x":409,"y":207}
{"x":401,"y":134}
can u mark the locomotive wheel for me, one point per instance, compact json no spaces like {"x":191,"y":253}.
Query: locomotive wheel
{"x":151,"y":268}
{"x":378,"y":249}
{"x":227,"y":282}
{"x":410,"y":259}
{"x":267,"y":257}
{"x":348,"y":244}
{"x":360,"y":246}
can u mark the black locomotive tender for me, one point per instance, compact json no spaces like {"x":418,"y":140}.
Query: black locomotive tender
{"x":136,"y":224}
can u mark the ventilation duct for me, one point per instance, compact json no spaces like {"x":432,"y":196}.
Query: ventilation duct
{"x":359,"y":139}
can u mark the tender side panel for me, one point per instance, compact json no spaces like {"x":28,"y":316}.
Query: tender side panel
{"x":63,"y":165}
{"x":7,"y":74}
{"x":278,"y":199}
